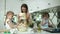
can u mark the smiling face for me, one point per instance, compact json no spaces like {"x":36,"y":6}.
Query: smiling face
{"x":46,"y":16}
{"x":10,"y":16}
{"x":24,"y":9}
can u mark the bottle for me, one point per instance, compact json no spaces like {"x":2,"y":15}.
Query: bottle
{"x":35,"y":27}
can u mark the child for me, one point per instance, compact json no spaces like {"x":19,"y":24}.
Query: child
{"x":8,"y":21}
{"x":24,"y":12}
{"x":22,"y":24}
{"x":23,"y":18}
{"x":45,"y":21}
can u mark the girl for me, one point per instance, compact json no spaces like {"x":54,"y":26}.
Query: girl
{"x":8,"y":22}
{"x":45,"y":21}
{"x":24,"y":9}
{"x":24,"y":16}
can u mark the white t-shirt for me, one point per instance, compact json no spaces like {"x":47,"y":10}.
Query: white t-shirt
{"x":46,"y":23}
{"x":7,"y":25}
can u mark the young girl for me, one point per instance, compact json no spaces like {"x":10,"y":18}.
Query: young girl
{"x":8,"y":21}
{"x":24,"y":16}
{"x":45,"y":21}
{"x":24,"y":10}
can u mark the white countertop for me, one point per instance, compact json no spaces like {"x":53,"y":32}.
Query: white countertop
{"x":31,"y":32}
{"x":42,"y":32}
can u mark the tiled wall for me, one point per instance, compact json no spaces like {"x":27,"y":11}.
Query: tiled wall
{"x":52,"y":12}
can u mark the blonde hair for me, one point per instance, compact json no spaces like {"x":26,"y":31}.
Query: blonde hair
{"x":8,"y":13}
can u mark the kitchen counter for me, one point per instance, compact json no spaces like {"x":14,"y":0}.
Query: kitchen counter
{"x":42,"y":32}
{"x":30,"y":32}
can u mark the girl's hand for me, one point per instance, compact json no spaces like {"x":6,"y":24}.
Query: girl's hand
{"x":43,"y":23}
{"x":7,"y":20}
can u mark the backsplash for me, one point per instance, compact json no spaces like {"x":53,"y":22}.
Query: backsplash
{"x":36,"y":16}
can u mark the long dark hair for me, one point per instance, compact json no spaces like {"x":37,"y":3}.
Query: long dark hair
{"x":24,"y":5}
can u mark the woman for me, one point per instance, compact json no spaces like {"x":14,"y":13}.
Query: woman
{"x":23,"y":17}
{"x":24,"y":9}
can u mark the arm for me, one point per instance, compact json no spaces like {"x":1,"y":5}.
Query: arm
{"x":51,"y":23}
{"x":10,"y":24}
{"x":29,"y":19}
{"x":28,"y":16}
{"x":42,"y":22}
{"x":18,"y":18}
